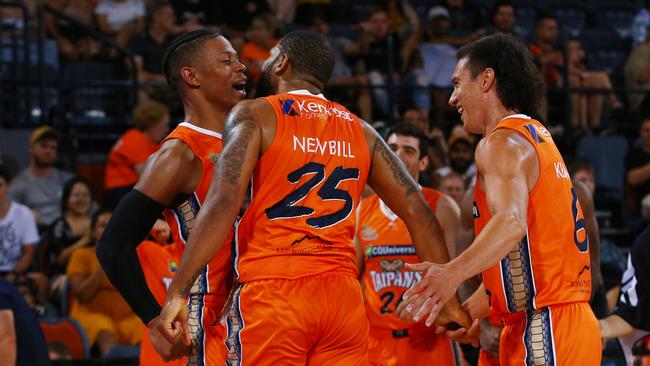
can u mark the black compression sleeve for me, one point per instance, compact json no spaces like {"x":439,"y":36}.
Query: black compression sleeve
{"x":116,"y":250}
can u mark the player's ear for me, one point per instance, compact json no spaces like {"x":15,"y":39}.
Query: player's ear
{"x":189,"y":77}
{"x":487,"y":79}
{"x":282,"y":65}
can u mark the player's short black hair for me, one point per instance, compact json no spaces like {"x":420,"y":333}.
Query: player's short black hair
{"x":182,"y":52}
{"x":407,"y":129}
{"x":519,"y":83}
{"x":309,"y":53}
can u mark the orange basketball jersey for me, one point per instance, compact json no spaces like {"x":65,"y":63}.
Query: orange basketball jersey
{"x":305,"y":191}
{"x":216,"y":278}
{"x":387,"y":246}
{"x":550,"y":265}
{"x":158,"y":264}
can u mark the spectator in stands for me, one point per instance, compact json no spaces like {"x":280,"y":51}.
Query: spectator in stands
{"x":587,"y":108}
{"x":637,"y":74}
{"x":439,"y":59}
{"x":127,"y":157}
{"x":18,"y":241}
{"x":96,"y":304}
{"x":120,"y":19}
{"x":465,"y":17}
{"x":605,"y":275}
{"x":547,"y":56}
{"x":284,"y":11}
{"x":257,"y":50}
{"x":196,"y":14}
{"x":372,"y":48}
{"x":39,"y":186}
{"x":149,"y":48}
{"x":402,"y":18}
{"x":237,"y":17}
{"x":453,"y":186}
{"x":583,"y":171}
{"x":21,"y":339}
{"x":436,"y":148}
{"x":71,"y":230}
{"x":504,"y":19}
{"x":461,"y":156}
{"x":630,"y":320}
{"x":637,"y":166}
{"x":307,"y":9}
{"x":74,"y":44}
{"x":343,"y":85}
{"x":641,"y":23}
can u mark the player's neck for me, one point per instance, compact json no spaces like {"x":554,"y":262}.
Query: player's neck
{"x":494,"y":114}
{"x":297,"y":84}
{"x":207,"y":116}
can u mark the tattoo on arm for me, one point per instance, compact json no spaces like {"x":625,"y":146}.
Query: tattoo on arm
{"x":230,"y":163}
{"x":395,"y":166}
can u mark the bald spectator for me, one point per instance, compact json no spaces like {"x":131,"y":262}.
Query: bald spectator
{"x":40,"y":186}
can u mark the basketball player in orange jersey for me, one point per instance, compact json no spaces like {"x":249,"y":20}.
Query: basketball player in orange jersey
{"x":308,"y":159}
{"x":383,"y":246}
{"x":205,"y":70}
{"x":159,"y":261}
{"x":478,"y":305}
{"x":531,"y":246}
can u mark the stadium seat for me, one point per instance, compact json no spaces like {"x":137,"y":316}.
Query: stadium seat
{"x":619,"y":19}
{"x":572,"y":19}
{"x":607,"y":154}
{"x":69,"y":332}
{"x":526,"y":18}
{"x":603,"y":39}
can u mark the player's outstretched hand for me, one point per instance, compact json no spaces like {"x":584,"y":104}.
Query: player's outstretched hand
{"x":167,"y":350}
{"x":173,"y":321}
{"x":430,"y":294}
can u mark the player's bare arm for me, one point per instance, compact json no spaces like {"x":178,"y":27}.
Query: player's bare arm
{"x":448,"y":214}
{"x":242,"y":139}
{"x":172,"y":171}
{"x":393,"y":184}
{"x":591,"y":225}
{"x":509,"y":168}
{"x":242,"y":146}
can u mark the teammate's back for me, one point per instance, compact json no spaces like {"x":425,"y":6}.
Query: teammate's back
{"x":305,"y":190}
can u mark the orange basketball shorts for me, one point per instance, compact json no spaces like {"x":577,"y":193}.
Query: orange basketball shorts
{"x":486,"y":359}
{"x":208,"y":334}
{"x":430,"y":349}
{"x":315,"y":320}
{"x":557,"y":335}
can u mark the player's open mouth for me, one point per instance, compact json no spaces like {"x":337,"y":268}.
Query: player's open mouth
{"x":240,"y":86}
